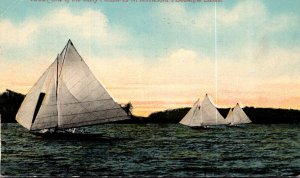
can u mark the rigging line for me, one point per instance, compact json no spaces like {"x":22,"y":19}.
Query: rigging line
{"x":79,"y":102}
{"x":98,"y":80}
{"x":196,"y":104}
{"x":74,"y":97}
{"x":63,"y":50}
{"x":79,"y":80}
{"x":63,"y":61}
{"x":90,"y":74}
{"x":103,"y":86}
{"x":91,"y":82}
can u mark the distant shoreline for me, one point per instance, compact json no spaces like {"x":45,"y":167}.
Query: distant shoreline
{"x":10,"y":102}
{"x":257,"y":116}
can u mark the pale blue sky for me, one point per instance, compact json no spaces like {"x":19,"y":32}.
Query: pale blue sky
{"x":167,"y":50}
{"x":152,"y":32}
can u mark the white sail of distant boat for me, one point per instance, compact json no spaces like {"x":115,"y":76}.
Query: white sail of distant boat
{"x":229,"y":115}
{"x":237,"y":116}
{"x":205,"y":114}
{"x":68,"y":95}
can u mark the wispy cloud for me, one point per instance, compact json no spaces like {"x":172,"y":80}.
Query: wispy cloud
{"x":246,"y":11}
{"x":253,"y":68}
{"x":14,"y":35}
{"x":57,"y":26}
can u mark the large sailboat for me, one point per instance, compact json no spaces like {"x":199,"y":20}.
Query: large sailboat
{"x":237,"y":116}
{"x":67,"y":95}
{"x":202,"y":115}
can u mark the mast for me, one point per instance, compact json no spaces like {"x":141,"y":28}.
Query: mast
{"x":68,"y":95}
{"x":56,"y":75}
{"x":56,"y":89}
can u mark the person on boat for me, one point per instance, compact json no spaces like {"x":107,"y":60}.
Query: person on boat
{"x":74,"y":130}
{"x":45,"y":131}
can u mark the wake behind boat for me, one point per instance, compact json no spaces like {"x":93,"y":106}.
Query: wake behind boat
{"x":68,"y":95}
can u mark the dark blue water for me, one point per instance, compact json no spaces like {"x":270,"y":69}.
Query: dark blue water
{"x":156,"y":150}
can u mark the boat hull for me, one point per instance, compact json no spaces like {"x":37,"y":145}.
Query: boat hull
{"x":237,"y":126}
{"x":70,"y":136}
{"x":202,"y":128}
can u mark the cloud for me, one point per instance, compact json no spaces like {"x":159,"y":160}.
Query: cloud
{"x":32,"y":44}
{"x":266,"y":80}
{"x":180,"y":77}
{"x":243,"y":11}
{"x":282,"y":22}
{"x":172,"y":80}
{"x":62,"y":23}
{"x":177,"y":79}
{"x":27,"y":48}
{"x":184,"y":55}
{"x":253,"y":13}
{"x":250,"y":67}
{"x":176,"y":15}
{"x":89,"y":24}
{"x":16,"y":34}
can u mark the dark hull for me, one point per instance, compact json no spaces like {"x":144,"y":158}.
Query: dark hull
{"x":210,"y":127}
{"x":236,"y":126}
{"x":201,"y":128}
{"x":70,"y":136}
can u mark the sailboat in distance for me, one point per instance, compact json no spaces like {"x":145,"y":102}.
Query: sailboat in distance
{"x":68,"y":95}
{"x":203,"y":115}
{"x":237,"y":116}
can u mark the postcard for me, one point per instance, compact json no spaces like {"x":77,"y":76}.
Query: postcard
{"x":150,"y":88}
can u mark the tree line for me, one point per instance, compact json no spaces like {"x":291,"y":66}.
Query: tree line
{"x":10,"y":102}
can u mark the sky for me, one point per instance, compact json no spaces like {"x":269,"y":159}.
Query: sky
{"x":161,"y":55}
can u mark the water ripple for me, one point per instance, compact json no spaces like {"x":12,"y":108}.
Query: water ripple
{"x":156,"y":150}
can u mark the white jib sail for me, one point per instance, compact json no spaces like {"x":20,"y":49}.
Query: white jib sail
{"x":238,"y":116}
{"x":229,"y":116}
{"x":188,"y":117}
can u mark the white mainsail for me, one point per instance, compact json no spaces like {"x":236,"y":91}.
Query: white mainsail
{"x":68,"y":95}
{"x":237,"y":116}
{"x":204,"y":115}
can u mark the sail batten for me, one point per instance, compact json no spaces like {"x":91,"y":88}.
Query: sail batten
{"x":71,"y":97}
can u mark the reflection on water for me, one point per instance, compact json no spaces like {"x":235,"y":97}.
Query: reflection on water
{"x":156,"y":150}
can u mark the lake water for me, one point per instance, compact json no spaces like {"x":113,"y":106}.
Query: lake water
{"x":155,"y":150}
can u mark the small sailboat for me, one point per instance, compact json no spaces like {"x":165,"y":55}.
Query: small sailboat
{"x":67,"y":95}
{"x":237,"y":116}
{"x":203,"y":115}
